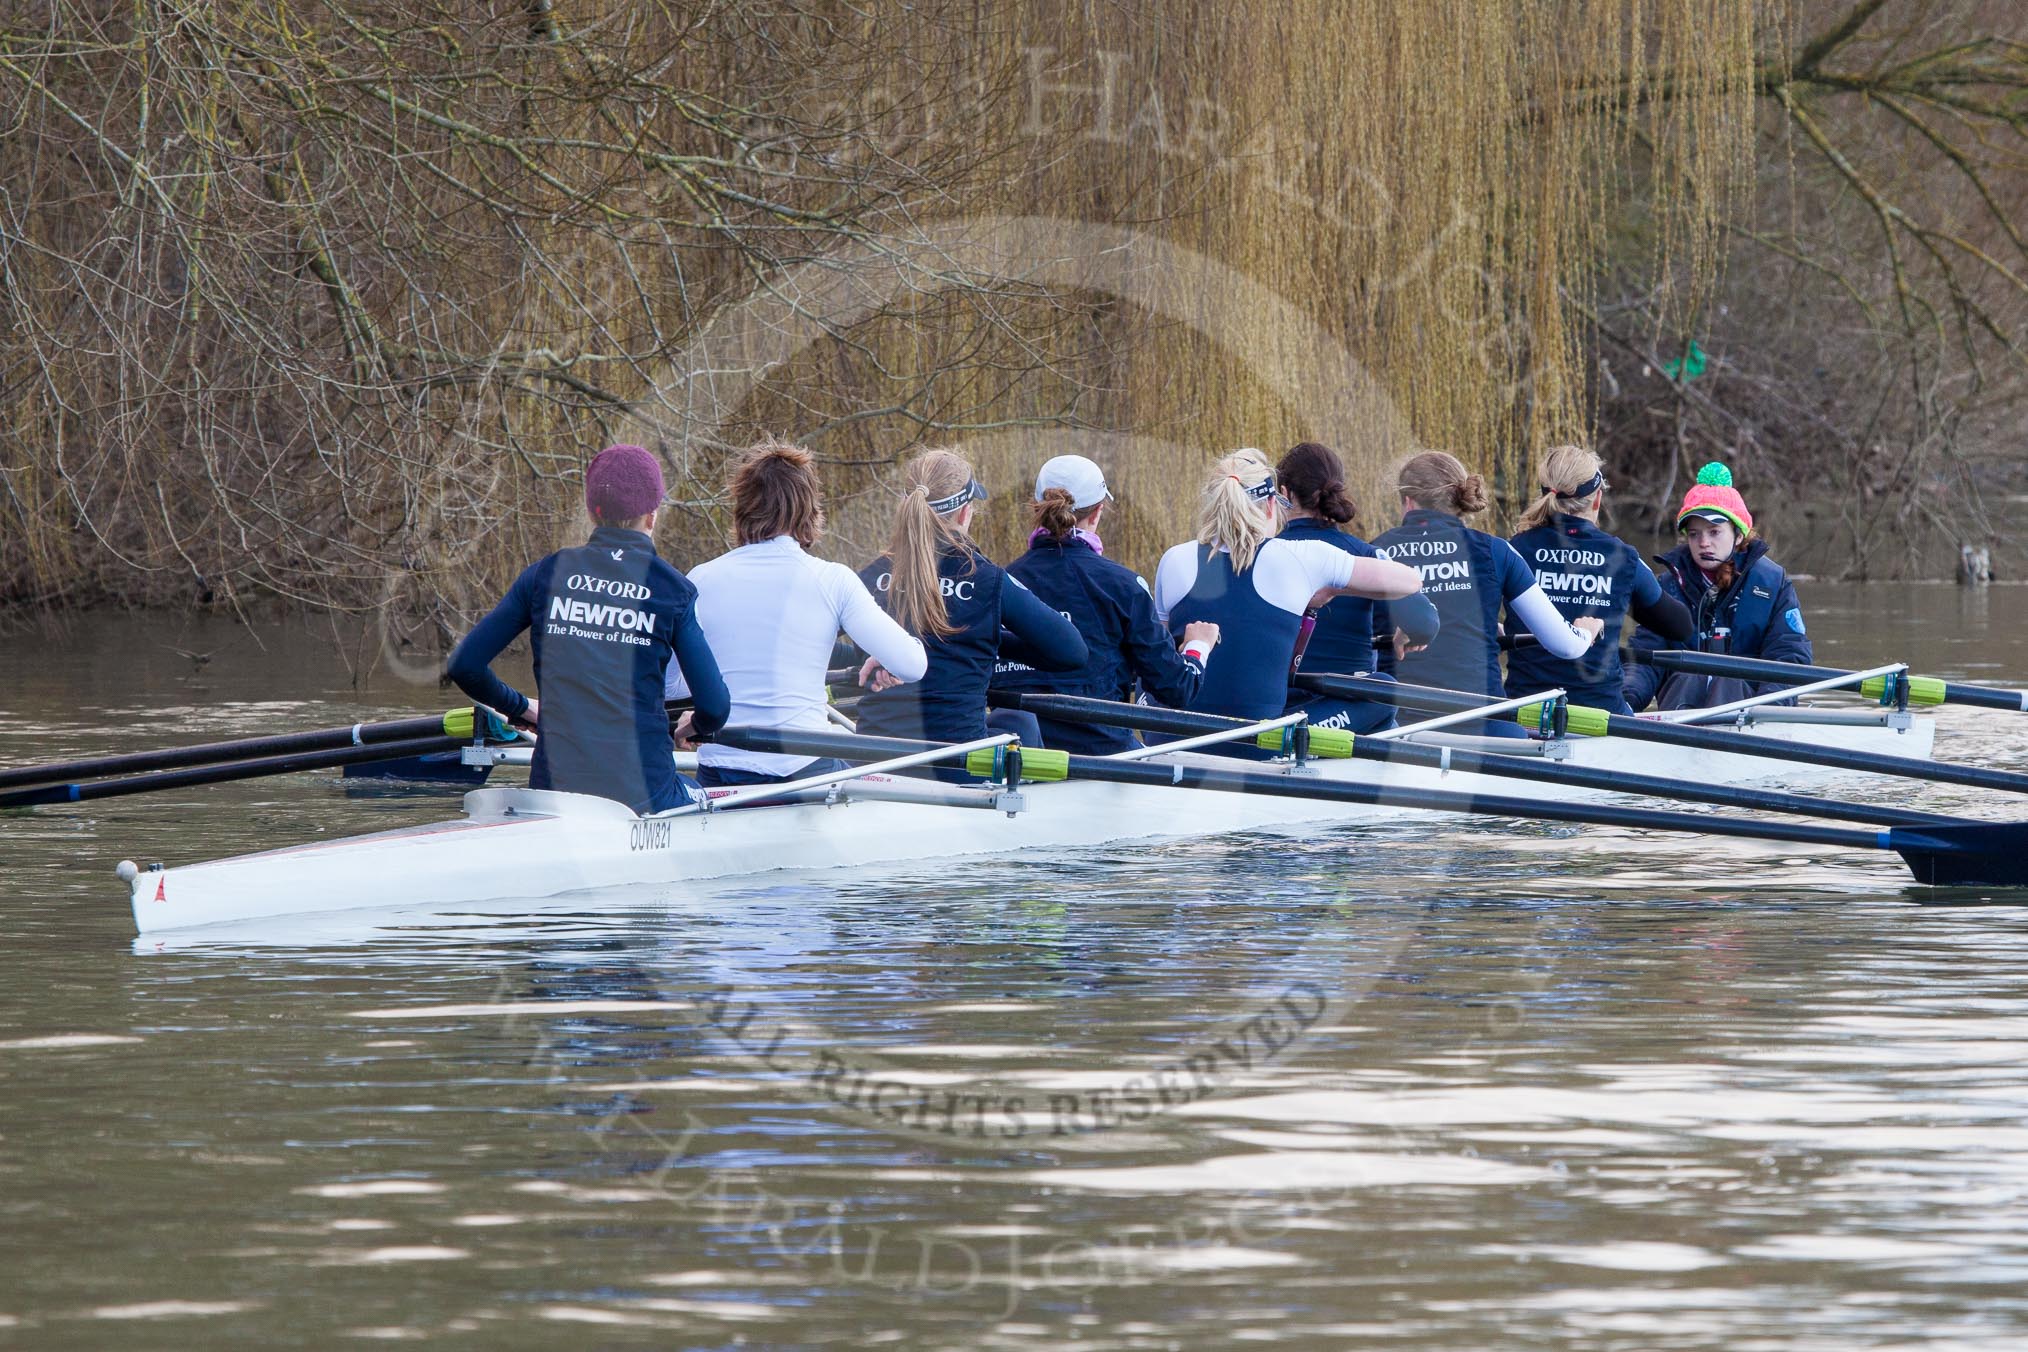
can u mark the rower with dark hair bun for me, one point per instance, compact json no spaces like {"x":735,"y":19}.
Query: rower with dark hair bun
{"x":1344,"y":630}
{"x":1066,"y":567}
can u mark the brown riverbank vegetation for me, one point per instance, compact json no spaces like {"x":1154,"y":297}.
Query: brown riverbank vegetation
{"x":329,"y":303}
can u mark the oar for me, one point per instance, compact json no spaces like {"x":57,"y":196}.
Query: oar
{"x":1597,"y":723}
{"x":1718,"y":713}
{"x":1977,"y":854}
{"x":457,"y":724}
{"x":1335,"y":743}
{"x":220,"y":774}
{"x":1923,"y":690}
{"x":912,"y":755}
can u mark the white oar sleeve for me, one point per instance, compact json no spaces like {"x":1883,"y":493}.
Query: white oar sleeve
{"x":1546,"y":622}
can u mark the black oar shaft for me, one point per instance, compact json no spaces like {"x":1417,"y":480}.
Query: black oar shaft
{"x":1784,"y":673}
{"x":1081,"y":709}
{"x":1697,"y":739}
{"x":1072,"y":708}
{"x":219,"y":774}
{"x":215,"y":753}
{"x":1991,"y":854}
{"x":1167,"y":774}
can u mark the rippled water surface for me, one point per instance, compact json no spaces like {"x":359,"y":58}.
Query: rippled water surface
{"x":1422,"y":1087}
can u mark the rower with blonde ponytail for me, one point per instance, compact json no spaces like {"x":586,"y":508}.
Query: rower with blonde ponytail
{"x":1468,"y":575}
{"x":1585,"y":573}
{"x":1256,"y":587}
{"x":938,"y":586}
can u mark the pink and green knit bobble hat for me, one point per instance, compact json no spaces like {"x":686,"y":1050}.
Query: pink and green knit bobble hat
{"x":1714,"y":495}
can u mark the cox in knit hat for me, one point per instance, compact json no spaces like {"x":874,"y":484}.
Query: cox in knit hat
{"x":622,"y":483}
{"x":1714,"y":498}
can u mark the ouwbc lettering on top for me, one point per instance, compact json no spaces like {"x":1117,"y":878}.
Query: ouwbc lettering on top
{"x":954,"y":589}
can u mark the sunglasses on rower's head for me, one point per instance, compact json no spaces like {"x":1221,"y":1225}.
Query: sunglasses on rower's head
{"x":973,"y":491}
{"x":1261,"y":491}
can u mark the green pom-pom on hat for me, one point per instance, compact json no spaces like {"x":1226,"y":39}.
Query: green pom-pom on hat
{"x":1715,"y":475}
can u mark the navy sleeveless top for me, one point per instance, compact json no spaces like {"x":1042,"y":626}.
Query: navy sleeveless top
{"x":1248,"y":674}
{"x":1588,"y":574}
{"x":1468,"y":575}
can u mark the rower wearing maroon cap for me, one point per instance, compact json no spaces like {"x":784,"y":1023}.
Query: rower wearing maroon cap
{"x":604,"y":618}
{"x":1740,"y":600}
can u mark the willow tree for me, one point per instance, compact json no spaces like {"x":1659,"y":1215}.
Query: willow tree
{"x":329,"y":302}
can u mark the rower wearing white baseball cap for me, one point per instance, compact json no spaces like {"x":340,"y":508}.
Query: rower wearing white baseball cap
{"x":1109,"y":603}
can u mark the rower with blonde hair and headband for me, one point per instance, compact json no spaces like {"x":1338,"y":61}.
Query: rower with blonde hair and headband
{"x":968,"y":611}
{"x":1585,"y":572}
{"x":1256,"y":587}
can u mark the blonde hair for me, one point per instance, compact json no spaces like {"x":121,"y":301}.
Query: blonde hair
{"x":1565,"y":470}
{"x":915,"y":593}
{"x":1439,"y":482}
{"x":1229,"y":515}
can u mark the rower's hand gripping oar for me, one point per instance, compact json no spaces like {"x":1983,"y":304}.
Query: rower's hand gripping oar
{"x":1974,"y":854}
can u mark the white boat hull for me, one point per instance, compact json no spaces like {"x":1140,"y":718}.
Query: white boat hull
{"x":528,"y":844}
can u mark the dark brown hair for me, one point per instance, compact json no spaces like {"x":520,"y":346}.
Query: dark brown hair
{"x":775,"y":492}
{"x":1439,"y":481}
{"x":1313,"y":477}
{"x":1056,"y":512}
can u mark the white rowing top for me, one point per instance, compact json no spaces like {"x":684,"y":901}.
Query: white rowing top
{"x":771,"y":614}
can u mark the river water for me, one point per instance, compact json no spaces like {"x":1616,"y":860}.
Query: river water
{"x":1492,"y":1087}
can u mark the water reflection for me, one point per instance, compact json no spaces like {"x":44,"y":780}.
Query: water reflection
{"x":1589,"y":1090}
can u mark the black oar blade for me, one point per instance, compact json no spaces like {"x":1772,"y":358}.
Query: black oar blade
{"x":434,"y":771}
{"x":1974,"y":854}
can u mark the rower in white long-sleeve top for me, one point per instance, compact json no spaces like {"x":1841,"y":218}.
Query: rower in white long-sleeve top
{"x":772,"y":613}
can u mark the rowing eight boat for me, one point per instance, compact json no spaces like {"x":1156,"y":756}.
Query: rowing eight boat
{"x":517,"y":843}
